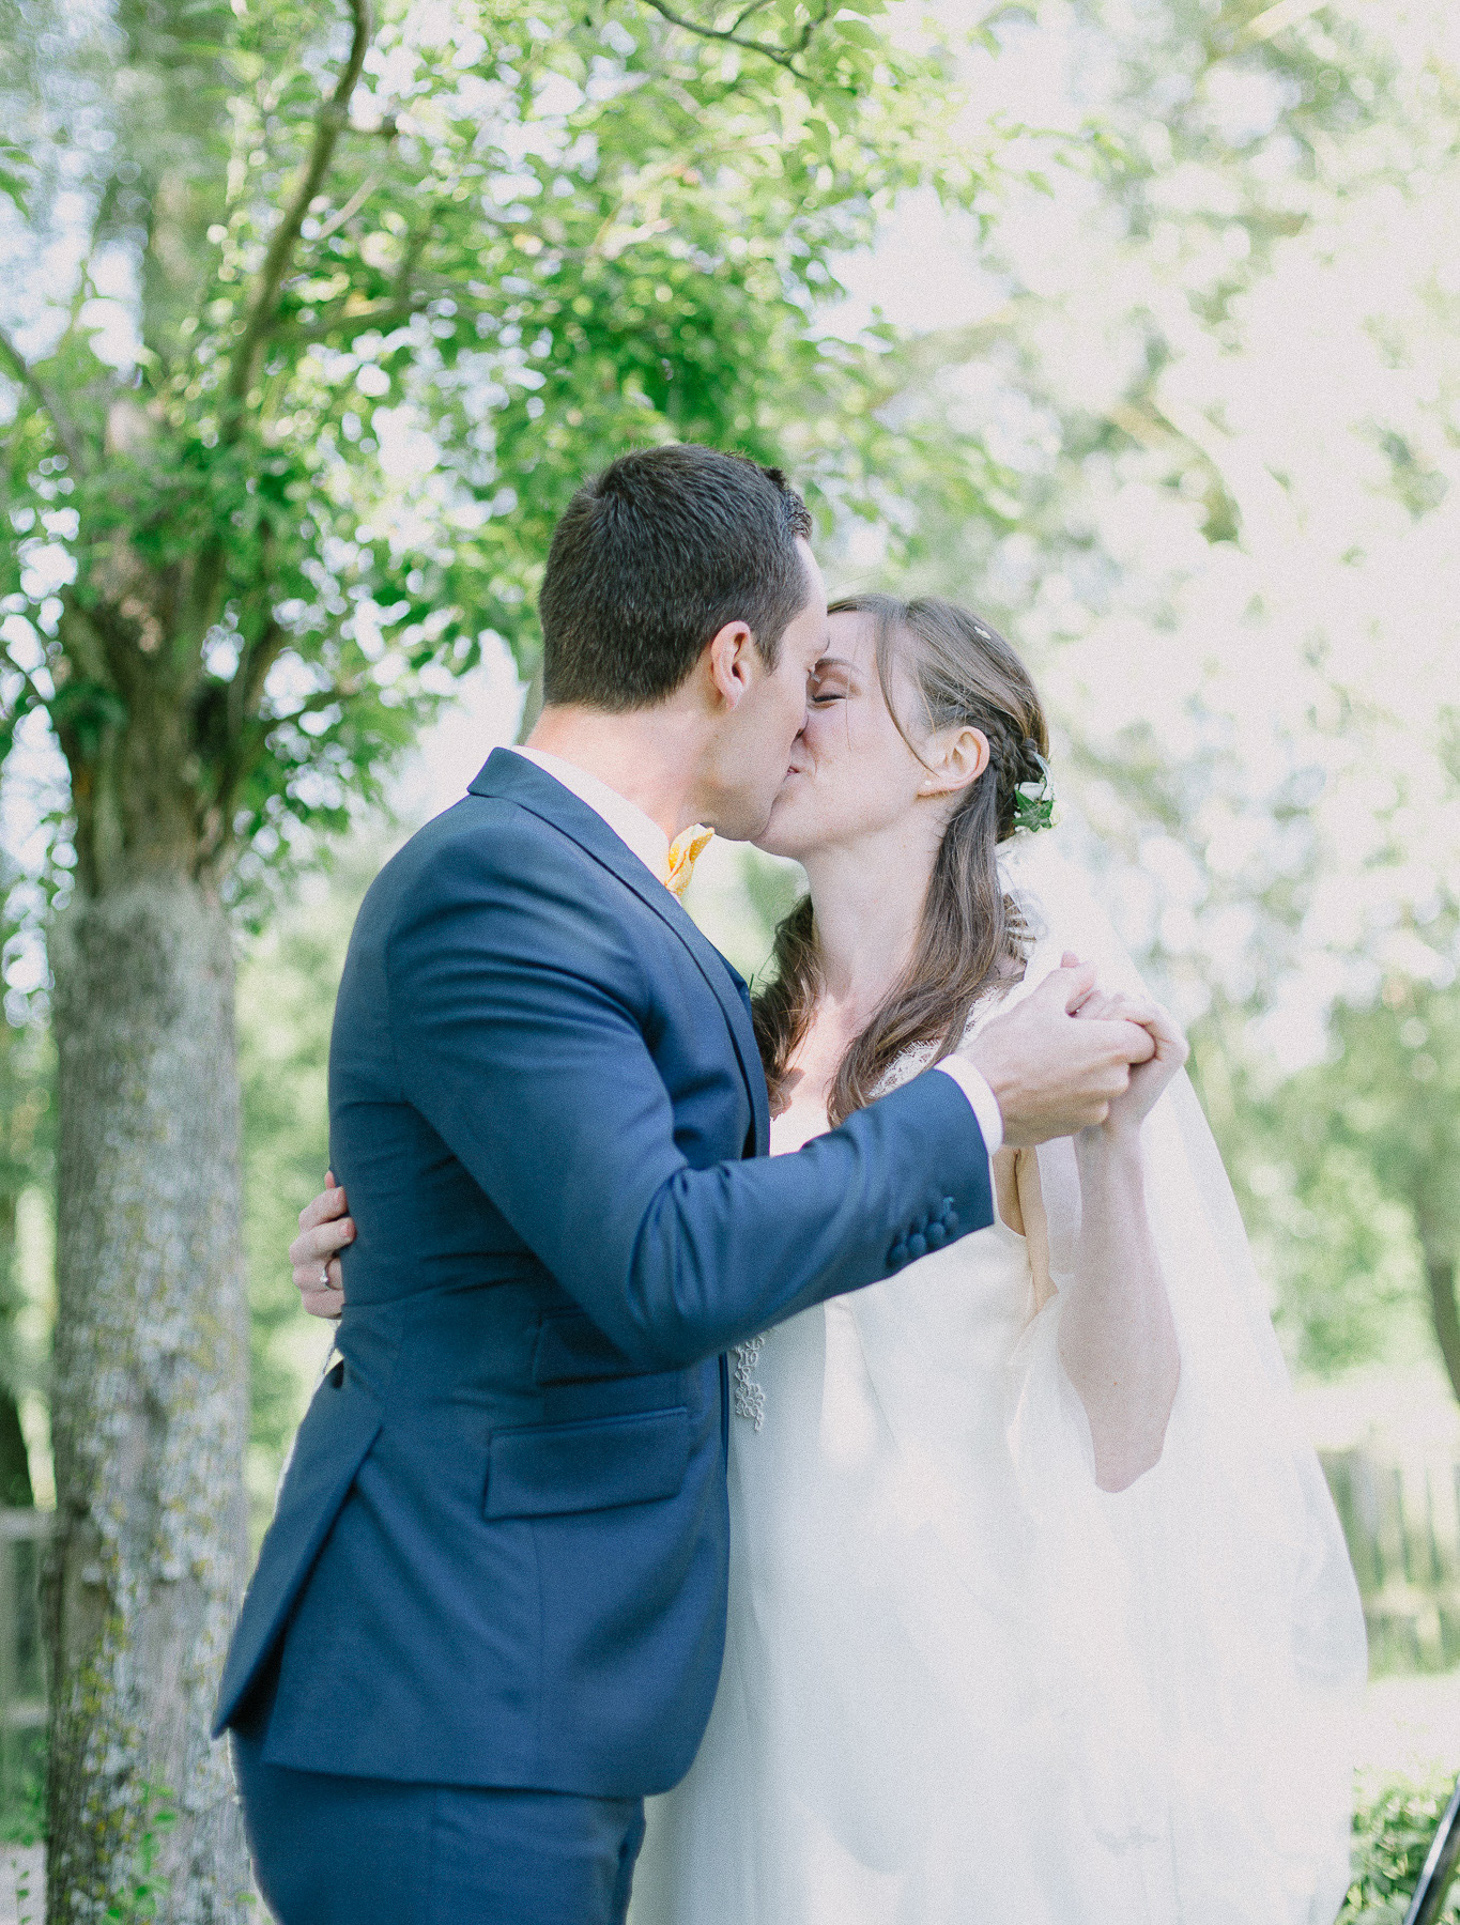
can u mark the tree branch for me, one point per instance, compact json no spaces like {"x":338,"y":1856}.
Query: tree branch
{"x":328,"y":124}
{"x":352,"y":206}
{"x":312,"y":704}
{"x":344,"y":323}
{"x":752,"y":6}
{"x":410,"y":258}
{"x":379,"y":314}
{"x":49,"y":404}
{"x":244,"y":729}
{"x":782,"y":56}
{"x":247,"y":690}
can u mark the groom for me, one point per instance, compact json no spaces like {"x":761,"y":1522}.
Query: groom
{"x":489,"y":1614}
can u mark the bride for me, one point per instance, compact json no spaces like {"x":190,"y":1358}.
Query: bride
{"x":1040,"y":1613}
{"x":1039,"y":1610}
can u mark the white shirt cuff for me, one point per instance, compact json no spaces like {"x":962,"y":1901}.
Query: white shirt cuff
{"x":981,"y":1100}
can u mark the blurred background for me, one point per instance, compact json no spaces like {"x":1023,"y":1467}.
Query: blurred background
{"x":1153,"y":357}
{"x":1220,"y":388}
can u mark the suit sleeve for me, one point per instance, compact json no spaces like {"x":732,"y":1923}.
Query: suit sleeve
{"x":519,"y":1016}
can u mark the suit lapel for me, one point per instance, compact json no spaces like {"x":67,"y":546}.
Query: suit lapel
{"x":523,"y":782}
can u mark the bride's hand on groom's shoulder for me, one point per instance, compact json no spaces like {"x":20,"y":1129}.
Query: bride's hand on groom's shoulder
{"x":1055,"y":1067}
{"x":325,"y":1228}
{"x":1147,"y":1080}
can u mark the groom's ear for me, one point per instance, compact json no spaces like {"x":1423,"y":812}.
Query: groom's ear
{"x":954,"y":758}
{"x":729,"y":662}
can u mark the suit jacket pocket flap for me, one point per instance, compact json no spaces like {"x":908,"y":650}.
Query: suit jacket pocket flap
{"x":544,"y":1470}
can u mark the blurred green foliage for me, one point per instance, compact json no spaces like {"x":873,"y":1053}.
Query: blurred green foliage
{"x":1393,"y":1828}
{"x":327,"y":312}
{"x":360,"y":300}
{"x":1350,"y":1172}
{"x":1218,"y":369}
{"x":589,"y":228}
{"x":23,"y":1816}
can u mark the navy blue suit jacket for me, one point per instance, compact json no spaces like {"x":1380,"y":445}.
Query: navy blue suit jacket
{"x":499,"y":1555}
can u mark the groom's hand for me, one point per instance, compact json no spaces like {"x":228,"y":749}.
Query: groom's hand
{"x":324,"y":1230}
{"x":1052,"y":1072}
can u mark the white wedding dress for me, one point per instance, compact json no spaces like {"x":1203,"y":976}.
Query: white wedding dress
{"x":962,"y":1685}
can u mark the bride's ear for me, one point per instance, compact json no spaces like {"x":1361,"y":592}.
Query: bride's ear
{"x":954,"y":758}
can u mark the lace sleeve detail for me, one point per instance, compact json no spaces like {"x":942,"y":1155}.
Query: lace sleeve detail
{"x":749,"y":1396}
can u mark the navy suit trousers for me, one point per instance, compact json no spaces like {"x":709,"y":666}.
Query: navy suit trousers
{"x":368,"y":1851}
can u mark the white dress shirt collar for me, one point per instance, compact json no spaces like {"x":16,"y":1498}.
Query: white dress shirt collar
{"x":640,"y":832}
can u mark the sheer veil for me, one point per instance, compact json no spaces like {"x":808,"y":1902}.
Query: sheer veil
{"x":1201,"y":1634}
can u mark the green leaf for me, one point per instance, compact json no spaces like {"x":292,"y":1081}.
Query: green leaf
{"x":855,"y":33}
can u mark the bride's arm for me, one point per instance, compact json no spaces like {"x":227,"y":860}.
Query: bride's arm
{"x":1117,"y":1340}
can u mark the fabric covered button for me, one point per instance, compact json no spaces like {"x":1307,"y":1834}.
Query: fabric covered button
{"x":937,"y":1235}
{"x":897,"y":1256}
{"x":950,"y":1221}
{"x":917,"y":1245}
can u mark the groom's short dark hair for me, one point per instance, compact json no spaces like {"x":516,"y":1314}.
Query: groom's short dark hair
{"x":652,"y":558}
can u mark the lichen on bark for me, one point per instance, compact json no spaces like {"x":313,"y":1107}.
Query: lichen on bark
{"x":151,"y":1381}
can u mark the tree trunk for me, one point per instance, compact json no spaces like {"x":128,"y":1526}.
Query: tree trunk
{"x":16,"y":1491}
{"x":149,"y":1409}
{"x":1444,"y":1311}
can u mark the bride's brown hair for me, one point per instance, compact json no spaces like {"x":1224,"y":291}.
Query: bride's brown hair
{"x":971,"y":933}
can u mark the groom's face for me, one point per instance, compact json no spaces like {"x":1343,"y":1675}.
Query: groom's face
{"x":754,"y":741}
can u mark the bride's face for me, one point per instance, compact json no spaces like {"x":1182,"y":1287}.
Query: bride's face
{"x":852,"y":775}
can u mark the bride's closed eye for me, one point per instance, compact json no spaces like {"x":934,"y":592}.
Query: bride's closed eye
{"x":831,"y":681}
{"x":830,"y":688}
